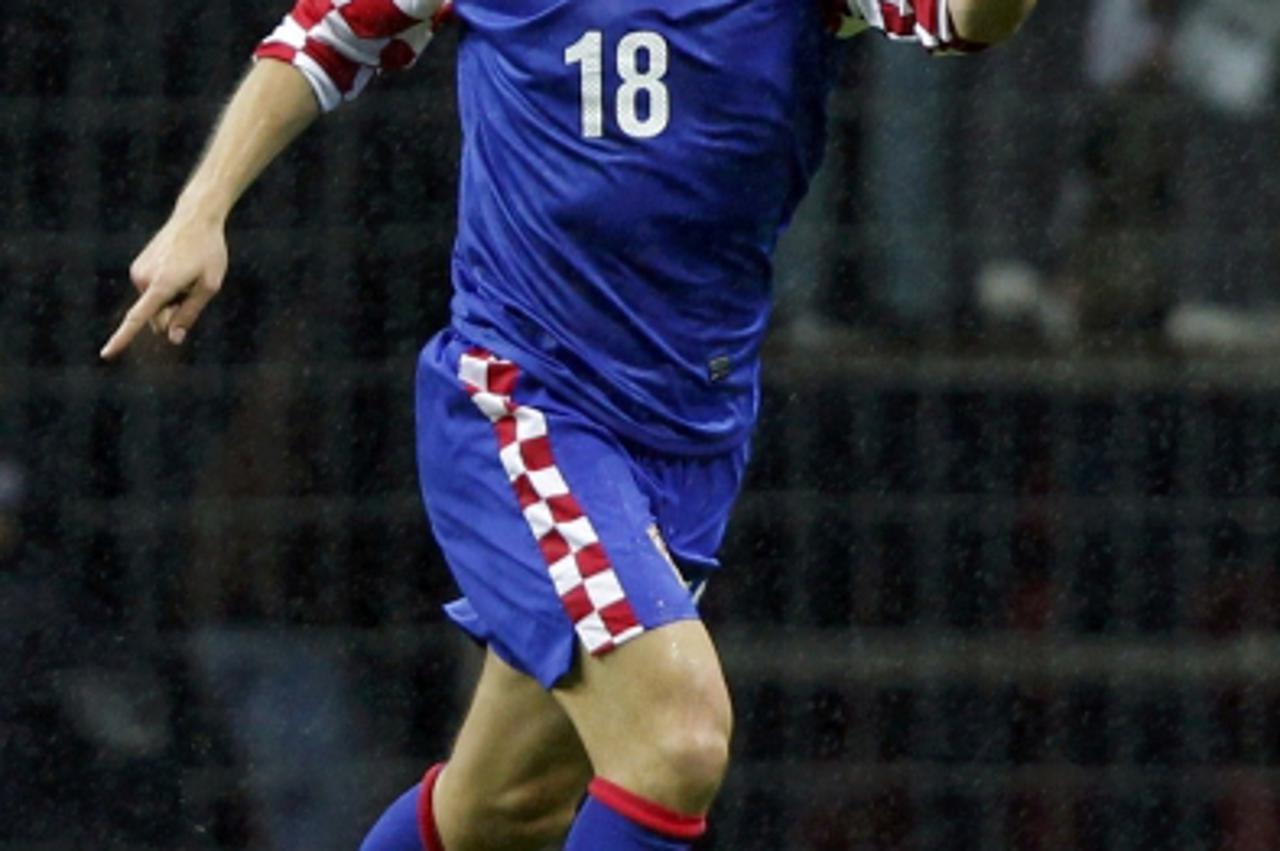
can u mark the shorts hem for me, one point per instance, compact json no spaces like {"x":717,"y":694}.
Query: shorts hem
{"x":556,"y":665}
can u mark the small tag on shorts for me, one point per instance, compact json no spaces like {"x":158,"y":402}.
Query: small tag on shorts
{"x":718,"y":368}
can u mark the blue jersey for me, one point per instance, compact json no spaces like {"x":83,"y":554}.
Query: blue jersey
{"x":627,"y":168}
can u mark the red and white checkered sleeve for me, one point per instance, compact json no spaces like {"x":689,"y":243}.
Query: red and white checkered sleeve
{"x":339,"y":45}
{"x":925,"y":21}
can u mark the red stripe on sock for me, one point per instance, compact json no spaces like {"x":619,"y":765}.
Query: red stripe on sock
{"x":426,"y":814}
{"x":647,"y":813}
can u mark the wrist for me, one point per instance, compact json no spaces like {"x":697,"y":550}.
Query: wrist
{"x":203,"y":204}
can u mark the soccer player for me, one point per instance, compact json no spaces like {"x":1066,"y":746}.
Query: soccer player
{"x":583,"y":422}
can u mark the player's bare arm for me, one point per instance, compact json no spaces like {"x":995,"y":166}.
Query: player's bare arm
{"x":989,"y":21}
{"x":182,"y":267}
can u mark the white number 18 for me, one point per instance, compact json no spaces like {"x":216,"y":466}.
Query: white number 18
{"x":588,"y":52}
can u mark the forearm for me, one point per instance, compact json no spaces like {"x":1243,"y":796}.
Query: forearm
{"x":272,"y":105}
{"x":320,"y":55}
{"x":989,"y":21}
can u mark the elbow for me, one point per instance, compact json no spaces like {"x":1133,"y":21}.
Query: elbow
{"x":989,"y":21}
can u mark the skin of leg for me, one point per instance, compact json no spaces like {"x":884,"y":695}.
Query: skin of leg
{"x":517,"y":770}
{"x":655,"y":715}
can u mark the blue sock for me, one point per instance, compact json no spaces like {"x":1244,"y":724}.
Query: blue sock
{"x":405,"y":823}
{"x":614,"y":819}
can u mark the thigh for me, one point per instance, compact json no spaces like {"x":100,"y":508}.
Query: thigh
{"x":637,"y":708}
{"x":517,"y":761}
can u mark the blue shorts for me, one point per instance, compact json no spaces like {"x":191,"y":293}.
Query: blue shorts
{"x":557,"y":532}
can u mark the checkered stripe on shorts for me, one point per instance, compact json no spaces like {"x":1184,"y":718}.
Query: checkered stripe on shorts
{"x":584,"y":578}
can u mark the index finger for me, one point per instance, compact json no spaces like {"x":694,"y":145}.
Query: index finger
{"x":144,"y":309}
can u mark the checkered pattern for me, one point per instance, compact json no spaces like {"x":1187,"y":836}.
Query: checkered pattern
{"x":925,"y":21}
{"x":584,"y":578}
{"x":339,"y":45}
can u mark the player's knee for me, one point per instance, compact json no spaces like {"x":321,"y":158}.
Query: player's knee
{"x":689,"y":723}
{"x":694,"y":754}
{"x":656,"y":718}
{"x":687,"y":748}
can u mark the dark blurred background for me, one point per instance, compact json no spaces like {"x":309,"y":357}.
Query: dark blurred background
{"x":1006,"y":573}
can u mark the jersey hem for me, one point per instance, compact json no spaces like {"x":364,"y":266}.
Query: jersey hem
{"x":628,"y":430}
